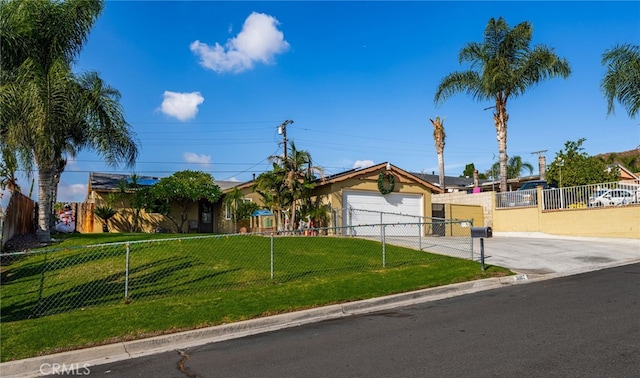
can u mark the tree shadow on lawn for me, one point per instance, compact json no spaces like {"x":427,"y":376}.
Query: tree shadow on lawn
{"x":55,"y":259}
{"x":92,"y":293}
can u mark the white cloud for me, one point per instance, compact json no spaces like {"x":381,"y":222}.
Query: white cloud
{"x":363,"y":164}
{"x":233,"y":179}
{"x":183,"y":106}
{"x":258,"y":41}
{"x":190,"y":157}
{"x":72,"y":192}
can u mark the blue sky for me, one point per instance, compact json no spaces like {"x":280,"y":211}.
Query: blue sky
{"x":205,"y":84}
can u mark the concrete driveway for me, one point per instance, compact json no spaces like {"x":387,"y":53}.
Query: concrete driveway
{"x":537,"y":253}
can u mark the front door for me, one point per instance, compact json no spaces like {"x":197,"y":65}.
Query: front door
{"x":205,"y":216}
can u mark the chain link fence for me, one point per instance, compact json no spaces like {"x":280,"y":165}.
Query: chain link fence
{"x":43,"y":282}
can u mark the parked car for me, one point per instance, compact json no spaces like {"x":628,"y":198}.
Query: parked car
{"x":613,"y":197}
{"x":534,"y":184}
{"x":526,"y":194}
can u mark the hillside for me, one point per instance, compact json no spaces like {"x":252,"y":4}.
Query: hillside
{"x":629,"y":159}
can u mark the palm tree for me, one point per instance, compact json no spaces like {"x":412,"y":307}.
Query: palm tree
{"x":438,"y":137}
{"x":298,"y":170}
{"x":232,"y":200}
{"x":8,"y":168}
{"x":105,"y":212}
{"x":503,"y":66}
{"x":514,"y":167}
{"x":46,"y":111}
{"x":272,"y":188}
{"x":622,"y":80}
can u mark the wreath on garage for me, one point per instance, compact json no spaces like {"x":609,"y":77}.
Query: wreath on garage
{"x":381,"y":179}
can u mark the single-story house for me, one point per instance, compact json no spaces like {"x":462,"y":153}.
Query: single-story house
{"x":359,"y":189}
{"x":380,"y":188}
{"x":201,"y":217}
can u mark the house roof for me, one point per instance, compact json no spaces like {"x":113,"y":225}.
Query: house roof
{"x":341,"y":176}
{"x":449,"y":181}
{"x":625,"y":173}
{"x":224,"y":185}
{"x":105,"y":182}
{"x":363,"y":171}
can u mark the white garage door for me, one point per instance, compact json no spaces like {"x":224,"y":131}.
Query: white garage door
{"x":365,"y":208}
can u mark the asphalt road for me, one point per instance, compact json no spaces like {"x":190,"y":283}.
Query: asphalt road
{"x":586,"y":325}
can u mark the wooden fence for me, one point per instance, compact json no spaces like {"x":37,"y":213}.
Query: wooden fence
{"x":19,"y":217}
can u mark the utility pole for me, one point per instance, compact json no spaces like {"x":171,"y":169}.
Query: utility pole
{"x":542,"y":163}
{"x":282,"y":130}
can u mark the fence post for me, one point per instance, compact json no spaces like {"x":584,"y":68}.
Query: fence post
{"x":126,"y":276}
{"x":271,"y":255}
{"x":471,"y":237}
{"x":419,"y":234}
{"x":384,"y":247}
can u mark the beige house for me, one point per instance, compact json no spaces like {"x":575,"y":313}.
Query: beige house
{"x":201,"y":216}
{"x":360,"y":189}
{"x":382,"y":188}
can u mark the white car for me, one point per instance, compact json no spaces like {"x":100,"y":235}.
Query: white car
{"x":613,"y":197}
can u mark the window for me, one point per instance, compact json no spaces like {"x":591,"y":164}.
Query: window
{"x":159,"y":206}
{"x":228,"y":209}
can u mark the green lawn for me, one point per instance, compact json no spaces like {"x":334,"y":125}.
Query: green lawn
{"x":72,"y":296}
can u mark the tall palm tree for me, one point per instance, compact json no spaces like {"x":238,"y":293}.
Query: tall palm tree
{"x":438,"y":137}
{"x":46,"y":111}
{"x":298,"y":171}
{"x":515,"y":166}
{"x":503,"y":66}
{"x":622,"y":79}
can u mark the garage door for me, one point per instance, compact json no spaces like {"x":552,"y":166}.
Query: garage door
{"x":365,"y":208}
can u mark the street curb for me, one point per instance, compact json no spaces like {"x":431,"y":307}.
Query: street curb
{"x":84,"y":358}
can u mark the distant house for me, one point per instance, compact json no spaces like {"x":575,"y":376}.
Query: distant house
{"x":625,"y":173}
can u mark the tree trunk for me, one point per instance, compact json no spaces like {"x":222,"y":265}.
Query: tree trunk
{"x":441,"y":170}
{"x":500,"y":118}
{"x":55,"y":181}
{"x":292,"y":224}
{"x":45,"y":178}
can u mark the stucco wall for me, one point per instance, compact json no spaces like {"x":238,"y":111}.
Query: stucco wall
{"x":465,"y":212}
{"x":482,"y":199}
{"x":609,"y":222}
{"x":123,"y":220}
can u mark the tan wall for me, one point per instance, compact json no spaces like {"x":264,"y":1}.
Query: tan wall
{"x":516,"y":220}
{"x":149,"y":222}
{"x":464,"y":212}
{"x":484,"y":199}
{"x":609,"y":222}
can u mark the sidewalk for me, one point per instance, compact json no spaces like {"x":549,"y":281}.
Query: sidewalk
{"x":535,"y":257}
